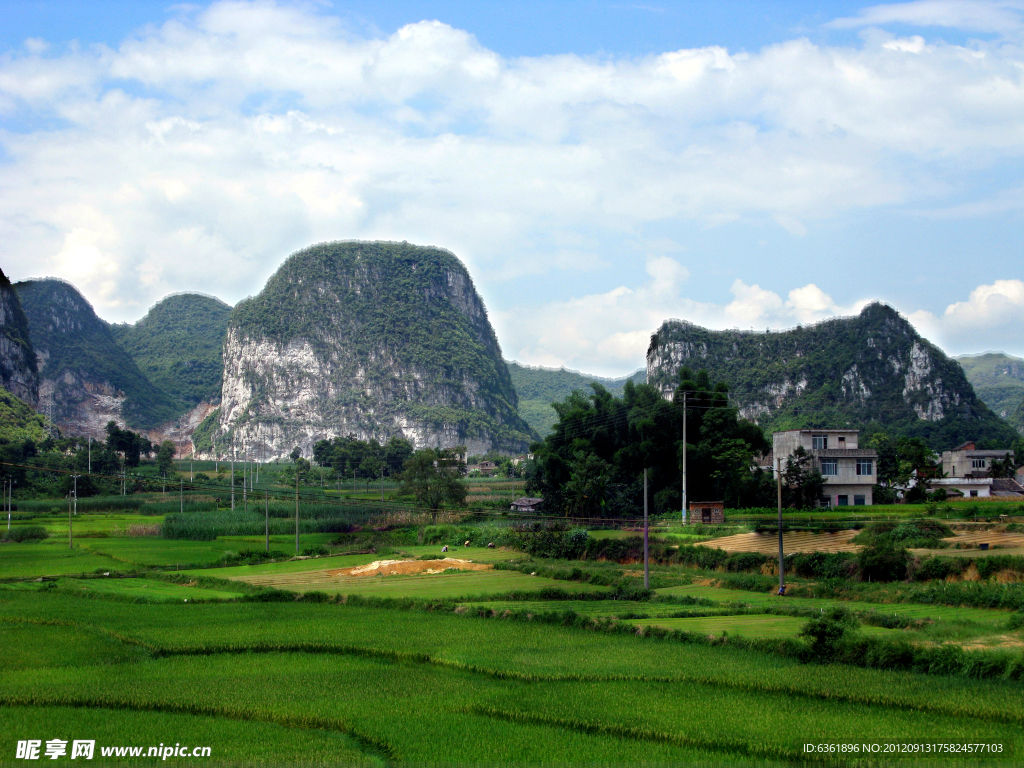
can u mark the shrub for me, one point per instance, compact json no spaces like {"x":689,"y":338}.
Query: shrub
{"x":25,"y":533}
{"x":883,"y":562}
{"x":828,"y":632}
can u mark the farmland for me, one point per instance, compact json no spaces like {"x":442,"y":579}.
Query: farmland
{"x":374,"y":650}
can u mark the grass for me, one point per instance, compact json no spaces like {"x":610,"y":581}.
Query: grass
{"x":492,"y":690}
{"x":152,"y":590}
{"x":442,"y":586}
{"x":50,"y":558}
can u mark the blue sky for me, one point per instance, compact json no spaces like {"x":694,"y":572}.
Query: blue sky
{"x":598,"y":166}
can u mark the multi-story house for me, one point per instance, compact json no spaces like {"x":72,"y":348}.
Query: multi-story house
{"x":850,"y":472}
{"x":967,"y":471}
{"x":967,"y":461}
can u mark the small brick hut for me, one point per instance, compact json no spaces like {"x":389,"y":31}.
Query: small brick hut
{"x":706,"y":512}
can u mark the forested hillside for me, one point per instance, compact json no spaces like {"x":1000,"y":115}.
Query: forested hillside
{"x":539,"y":387}
{"x":999,"y":381}
{"x":89,"y":377}
{"x":871,"y":372}
{"x":178,"y":346}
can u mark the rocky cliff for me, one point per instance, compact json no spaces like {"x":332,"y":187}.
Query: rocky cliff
{"x":18,"y":373}
{"x":871,"y":371}
{"x":372,"y":339}
{"x":84,"y":375}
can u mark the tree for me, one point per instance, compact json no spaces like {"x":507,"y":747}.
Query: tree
{"x":588,"y":480}
{"x":1002,"y":467}
{"x":295,"y":454}
{"x":802,"y":481}
{"x":434,"y":477}
{"x":165,"y":457}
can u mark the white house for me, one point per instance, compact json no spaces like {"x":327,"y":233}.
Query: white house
{"x":850,"y":472}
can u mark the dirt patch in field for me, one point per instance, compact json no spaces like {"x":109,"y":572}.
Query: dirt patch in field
{"x":393,"y":567}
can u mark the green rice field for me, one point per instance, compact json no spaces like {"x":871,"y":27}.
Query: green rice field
{"x":285,"y":663}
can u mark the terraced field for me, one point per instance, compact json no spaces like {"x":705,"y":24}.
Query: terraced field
{"x":792,"y":541}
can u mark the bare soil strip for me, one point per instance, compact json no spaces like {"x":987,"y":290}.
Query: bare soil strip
{"x":392,"y":567}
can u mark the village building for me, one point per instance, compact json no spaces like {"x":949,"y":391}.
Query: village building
{"x":710,"y":512}
{"x":850,"y":472}
{"x":527,"y":505}
{"x":967,"y":461}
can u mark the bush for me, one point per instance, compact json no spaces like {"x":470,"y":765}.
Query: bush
{"x":829,"y":632}
{"x":883,"y":562}
{"x":25,"y":533}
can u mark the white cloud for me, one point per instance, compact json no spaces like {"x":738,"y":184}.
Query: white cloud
{"x":977,"y":15}
{"x":608,"y":333}
{"x":992,"y":317}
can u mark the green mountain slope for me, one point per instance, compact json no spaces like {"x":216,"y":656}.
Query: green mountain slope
{"x":19,"y":420}
{"x":373,"y":339}
{"x":90,"y":377}
{"x":539,"y":387}
{"x":999,"y":381}
{"x":873,"y":371}
{"x":178,"y":346}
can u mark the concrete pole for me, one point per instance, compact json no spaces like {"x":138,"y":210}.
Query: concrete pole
{"x":296,"y":510}
{"x":778,"y":488}
{"x":267,"y":518}
{"x":232,"y":474}
{"x":647,"y":575}
{"x":683,"y":515}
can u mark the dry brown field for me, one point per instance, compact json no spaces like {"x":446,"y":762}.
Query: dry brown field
{"x":794,"y":541}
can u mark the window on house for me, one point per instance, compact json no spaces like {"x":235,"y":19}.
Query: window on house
{"x":977,"y":463}
{"x":819,"y":442}
{"x":842,"y":442}
{"x":829,"y":467}
{"x":859,"y":501}
{"x":843,"y":501}
{"x":864,"y":466}
{"x":973,"y":494}
{"x":825,"y":501}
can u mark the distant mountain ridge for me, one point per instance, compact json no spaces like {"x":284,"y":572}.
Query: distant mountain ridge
{"x":998,"y":379}
{"x":178,"y":346}
{"x":872,"y":371}
{"x":86,"y":375}
{"x":539,"y":387}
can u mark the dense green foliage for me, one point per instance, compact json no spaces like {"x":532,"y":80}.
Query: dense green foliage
{"x":592,"y":463}
{"x":350,"y":457}
{"x":78,"y":349}
{"x":434,"y":477}
{"x":999,"y":381}
{"x":178,"y":346}
{"x":19,"y":421}
{"x":851,"y":372}
{"x":538,"y":388}
{"x":395,"y":319}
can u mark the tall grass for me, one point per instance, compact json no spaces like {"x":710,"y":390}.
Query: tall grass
{"x":208,"y":524}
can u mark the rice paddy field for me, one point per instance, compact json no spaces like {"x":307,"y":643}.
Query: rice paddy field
{"x":401,"y":658}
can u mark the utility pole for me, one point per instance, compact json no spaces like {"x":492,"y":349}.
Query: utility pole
{"x":8,"y":489}
{"x":267,"y":518}
{"x":778,"y":488}
{"x":90,"y":454}
{"x":647,"y":575}
{"x":683,"y":515}
{"x":245,"y":486}
{"x":232,"y":474}
{"x":296,"y":508}
{"x":72,"y":498}
{"x":382,"y":482}
{"x":181,"y":496}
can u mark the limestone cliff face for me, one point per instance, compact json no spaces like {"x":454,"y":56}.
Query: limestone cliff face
{"x":85,"y":377}
{"x":873,"y":370}
{"x":18,"y":374}
{"x":369,"y":339}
